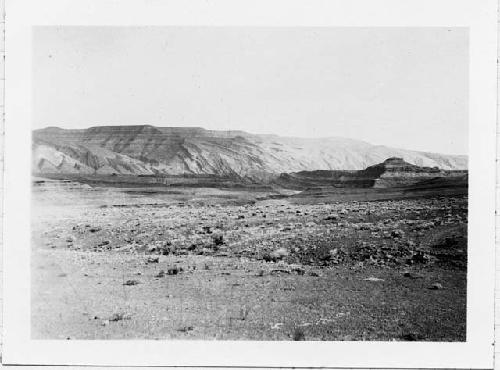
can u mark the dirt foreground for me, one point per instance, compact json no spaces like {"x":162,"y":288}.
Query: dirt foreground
{"x":228,"y":265}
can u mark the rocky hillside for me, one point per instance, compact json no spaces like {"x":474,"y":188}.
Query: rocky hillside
{"x":143,"y":150}
{"x":393,"y":172}
{"x":396,"y":172}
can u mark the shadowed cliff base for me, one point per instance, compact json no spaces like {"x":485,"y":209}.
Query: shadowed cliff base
{"x":392,"y":179}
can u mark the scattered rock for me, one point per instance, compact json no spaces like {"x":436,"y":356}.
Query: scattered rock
{"x":436,"y":286}
{"x":118,"y":317}
{"x":279,"y":271}
{"x":267,"y":257}
{"x":279,"y":254}
{"x":299,"y":270}
{"x":160,"y":274}
{"x":332,"y":217}
{"x":131,"y":282}
{"x":411,"y":337}
{"x":174,"y":270}
{"x":185,"y":329}
{"x":372,"y":278}
{"x":298,"y":334}
{"x":419,"y":257}
{"x":412,"y":275}
{"x":218,"y":240}
{"x":397,"y":233}
{"x":276,"y":326}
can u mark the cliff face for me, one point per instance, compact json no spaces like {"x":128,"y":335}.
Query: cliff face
{"x":192,"y":150}
{"x":393,"y":172}
{"x":396,"y":172}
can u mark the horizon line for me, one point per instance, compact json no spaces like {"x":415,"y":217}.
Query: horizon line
{"x":244,"y":131}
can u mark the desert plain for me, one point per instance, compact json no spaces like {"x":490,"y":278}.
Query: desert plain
{"x":112,"y":260}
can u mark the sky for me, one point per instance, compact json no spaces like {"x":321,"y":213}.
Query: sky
{"x":400,"y":87}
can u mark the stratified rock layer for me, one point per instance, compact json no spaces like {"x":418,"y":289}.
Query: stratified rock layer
{"x":393,"y":172}
{"x":149,"y":150}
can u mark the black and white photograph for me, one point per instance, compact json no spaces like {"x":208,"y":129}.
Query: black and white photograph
{"x":252,"y":184}
{"x":297,"y":184}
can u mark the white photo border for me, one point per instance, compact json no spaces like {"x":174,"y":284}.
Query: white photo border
{"x":478,"y":16}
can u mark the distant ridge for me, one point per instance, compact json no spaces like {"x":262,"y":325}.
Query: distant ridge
{"x":392,"y":173}
{"x":149,"y":150}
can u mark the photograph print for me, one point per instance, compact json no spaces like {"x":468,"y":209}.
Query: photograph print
{"x":249,"y":183}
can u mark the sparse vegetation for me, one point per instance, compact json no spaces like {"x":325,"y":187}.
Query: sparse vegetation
{"x":218,"y":240}
{"x":298,"y":334}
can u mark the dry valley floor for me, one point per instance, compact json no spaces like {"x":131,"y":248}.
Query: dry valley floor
{"x":177,"y":263}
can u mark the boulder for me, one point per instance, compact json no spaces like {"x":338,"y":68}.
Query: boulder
{"x":279,"y":253}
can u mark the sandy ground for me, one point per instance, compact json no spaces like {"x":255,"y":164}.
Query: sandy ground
{"x":113,"y":265}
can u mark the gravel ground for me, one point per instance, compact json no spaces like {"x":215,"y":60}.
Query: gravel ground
{"x":227,"y":264}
